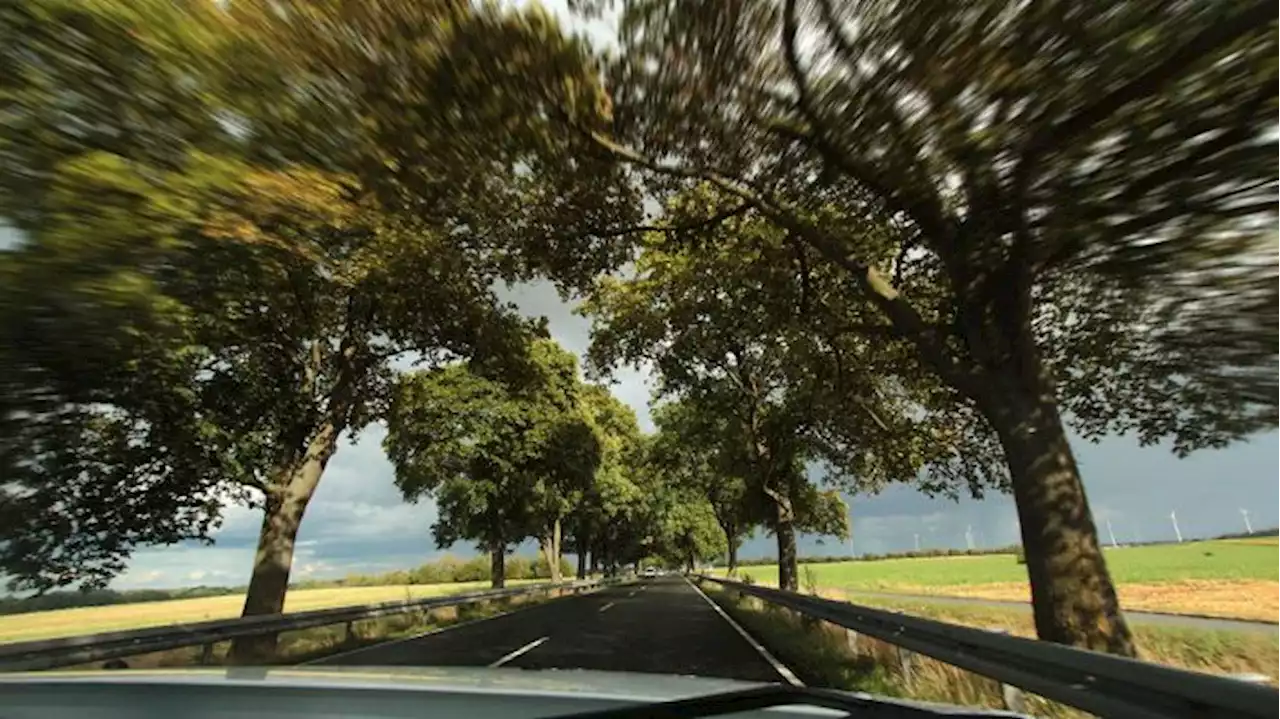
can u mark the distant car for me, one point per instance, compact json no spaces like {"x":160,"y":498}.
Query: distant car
{"x":649,"y":572}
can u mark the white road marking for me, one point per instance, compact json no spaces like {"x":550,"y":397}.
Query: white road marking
{"x":778,"y":666}
{"x":602,"y":609}
{"x":526,"y":648}
{"x":632,"y":593}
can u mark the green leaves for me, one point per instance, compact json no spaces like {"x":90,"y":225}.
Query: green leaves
{"x":237,"y":217}
{"x":1004,"y":165}
{"x":505,"y":454}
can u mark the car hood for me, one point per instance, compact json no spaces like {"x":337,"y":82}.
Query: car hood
{"x":479,"y":683}
{"x":655,"y":687}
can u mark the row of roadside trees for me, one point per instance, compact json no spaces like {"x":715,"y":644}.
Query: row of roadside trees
{"x":895,"y":241}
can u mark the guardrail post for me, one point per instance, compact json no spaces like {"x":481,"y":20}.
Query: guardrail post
{"x":906,"y":662}
{"x":206,"y":654}
{"x":851,"y":640}
{"x":350,"y":633}
{"x":1013,"y":697}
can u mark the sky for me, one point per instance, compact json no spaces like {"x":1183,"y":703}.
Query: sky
{"x":358,"y":522}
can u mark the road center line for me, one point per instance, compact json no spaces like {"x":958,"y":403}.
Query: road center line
{"x":778,"y":666}
{"x":526,"y":648}
{"x":602,"y":609}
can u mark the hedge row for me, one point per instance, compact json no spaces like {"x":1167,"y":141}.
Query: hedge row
{"x":1011,"y":549}
{"x":445,"y":570}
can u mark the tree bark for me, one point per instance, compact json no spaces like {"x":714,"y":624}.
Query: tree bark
{"x":785,"y":531}
{"x":583,"y":542}
{"x":551,"y":550}
{"x":498,"y":566}
{"x":730,"y":539}
{"x":282,"y":517}
{"x":1073,"y":597}
{"x":555,"y":550}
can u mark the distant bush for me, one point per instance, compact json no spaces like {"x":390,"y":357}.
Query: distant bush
{"x":541,"y":570}
{"x":104,"y":597}
{"x":519,"y":568}
{"x":445,"y":570}
{"x":1021,"y":555}
{"x":871,"y":557}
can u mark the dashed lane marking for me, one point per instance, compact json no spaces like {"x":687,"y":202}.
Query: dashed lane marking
{"x":602,"y":609}
{"x":522,"y":650}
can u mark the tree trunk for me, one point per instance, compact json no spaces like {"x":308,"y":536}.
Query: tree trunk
{"x":498,"y":567}
{"x":1072,"y":594}
{"x":785,"y":531}
{"x":555,"y":551}
{"x":551,"y":550}
{"x":282,"y":516}
{"x":582,"y":553}
{"x":730,"y":538}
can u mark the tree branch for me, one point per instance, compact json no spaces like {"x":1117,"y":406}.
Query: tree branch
{"x":869,"y":280}
{"x":672,"y":229}
{"x":1239,"y":133}
{"x":1260,"y":15}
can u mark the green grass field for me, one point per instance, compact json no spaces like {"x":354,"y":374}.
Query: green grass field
{"x":1212,"y":560}
{"x":823,"y":656}
{"x":91,"y":620}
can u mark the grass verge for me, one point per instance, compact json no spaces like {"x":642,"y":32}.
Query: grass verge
{"x":117,"y":617}
{"x":1210,"y":651}
{"x":1223,"y":578}
{"x":319,"y":642}
{"x":826,"y":655}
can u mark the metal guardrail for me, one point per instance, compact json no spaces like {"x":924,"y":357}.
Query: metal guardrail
{"x":1101,"y":684}
{"x":67,"y":651}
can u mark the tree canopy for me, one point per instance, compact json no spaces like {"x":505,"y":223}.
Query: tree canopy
{"x":505,"y":457}
{"x":899,"y":240}
{"x":251,"y":230}
{"x":1078,"y":200}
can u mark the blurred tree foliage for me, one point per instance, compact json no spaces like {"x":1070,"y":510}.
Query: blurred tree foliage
{"x":1080,"y":202}
{"x":910,"y":240}
{"x":234,"y":217}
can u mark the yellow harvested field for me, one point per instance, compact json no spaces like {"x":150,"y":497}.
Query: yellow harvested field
{"x":91,"y":620}
{"x":1235,"y":599}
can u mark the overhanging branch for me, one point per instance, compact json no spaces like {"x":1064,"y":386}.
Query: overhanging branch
{"x":874,"y":285}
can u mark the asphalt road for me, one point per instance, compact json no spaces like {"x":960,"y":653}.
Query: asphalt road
{"x":661,"y":626}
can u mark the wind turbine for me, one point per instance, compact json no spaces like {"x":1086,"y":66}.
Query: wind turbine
{"x":1111,"y":532}
{"x":1247,"y":527}
{"x":1174,"y":517}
